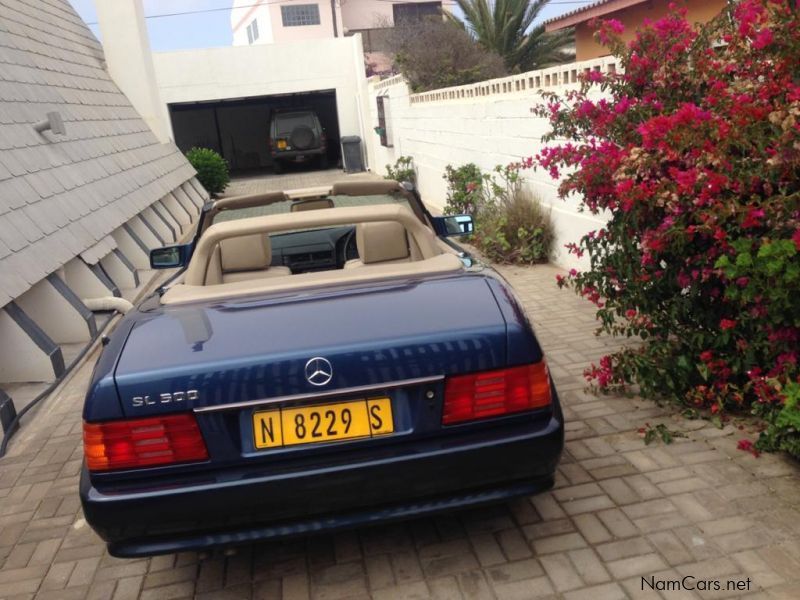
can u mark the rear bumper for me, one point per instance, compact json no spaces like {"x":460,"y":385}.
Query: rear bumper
{"x":239,"y":507}
{"x":298,"y":154}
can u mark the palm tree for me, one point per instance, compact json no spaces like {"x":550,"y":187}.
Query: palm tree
{"x":506,"y":26}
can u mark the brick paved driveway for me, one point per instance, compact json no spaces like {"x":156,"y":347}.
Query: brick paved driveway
{"x":620,"y":510}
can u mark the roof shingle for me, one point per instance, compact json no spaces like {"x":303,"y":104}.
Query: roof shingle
{"x":61,"y":196}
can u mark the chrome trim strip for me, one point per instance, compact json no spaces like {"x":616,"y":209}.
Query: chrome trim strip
{"x":314,"y":396}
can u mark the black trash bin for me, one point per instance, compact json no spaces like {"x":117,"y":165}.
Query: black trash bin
{"x":352,"y":154}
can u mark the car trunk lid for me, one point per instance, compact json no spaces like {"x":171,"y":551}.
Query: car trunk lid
{"x":203,"y":356}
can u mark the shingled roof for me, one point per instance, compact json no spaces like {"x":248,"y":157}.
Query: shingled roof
{"x":62,"y":195}
{"x":587,"y":12}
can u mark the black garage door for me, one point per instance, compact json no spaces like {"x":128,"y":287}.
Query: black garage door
{"x":239,"y":129}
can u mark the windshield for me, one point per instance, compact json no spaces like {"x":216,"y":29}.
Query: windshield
{"x":285,"y":124}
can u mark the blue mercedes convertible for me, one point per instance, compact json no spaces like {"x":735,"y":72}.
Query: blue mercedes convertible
{"x":324,"y":359}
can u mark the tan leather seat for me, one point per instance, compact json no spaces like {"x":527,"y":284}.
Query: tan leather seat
{"x":382,"y":242}
{"x":243,"y":258}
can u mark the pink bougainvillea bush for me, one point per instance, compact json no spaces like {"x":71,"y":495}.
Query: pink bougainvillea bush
{"x":694,"y":152}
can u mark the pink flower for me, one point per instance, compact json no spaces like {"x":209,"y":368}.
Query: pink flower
{"x":747,"y":446}
{"x":707,"y":356}
{"x":615,"y":26}
{"x":796,"y":239}
{"x":762,"y":39}
{"x":753,"y":218}
{"x":726,"y":324}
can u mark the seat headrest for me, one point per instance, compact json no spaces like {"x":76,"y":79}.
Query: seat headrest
{"x":381,"y":241}
{"x":245,"y":253}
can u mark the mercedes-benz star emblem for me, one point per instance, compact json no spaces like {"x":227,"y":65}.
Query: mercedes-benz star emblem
{"x":319,"y":371}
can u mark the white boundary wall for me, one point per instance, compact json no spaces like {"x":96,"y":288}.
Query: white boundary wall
{"x":486,"y":123}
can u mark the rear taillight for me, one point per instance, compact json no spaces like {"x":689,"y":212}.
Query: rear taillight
{"x":495,"y":393}
{"x":143,"y":442}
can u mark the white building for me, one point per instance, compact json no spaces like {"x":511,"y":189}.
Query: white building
{"x":267,"y":21}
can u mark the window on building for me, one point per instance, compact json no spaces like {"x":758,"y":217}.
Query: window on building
{"x":415,"y":11}
{"x":300,"y":15}
{"x":252,"y":31}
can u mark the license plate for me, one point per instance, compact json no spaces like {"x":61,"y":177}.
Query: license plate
{"x":322,"y":423}
{"x":281,"y":144}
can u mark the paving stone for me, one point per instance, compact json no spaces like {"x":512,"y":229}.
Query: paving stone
{"x":561,"y":571}
{"x":473,"y":585}
{"x":642,"y":564}
{"x":515,"y":571}
{"x":559,"y":543}
{"x":592,"y":528}
{"x":128,"y":588}
{"x":513,"y":544}
{"x":379,"y":571}
{"x":487,"y":549}
{"x":589,"y":566}
{"x":410,"y":591}
{"x":539,"y":587}
{"x":608,"y":591}
{"x":617,"y":523}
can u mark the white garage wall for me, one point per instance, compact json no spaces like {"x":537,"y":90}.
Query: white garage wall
{"x":489,"y":123}
{"x":263,"y":70}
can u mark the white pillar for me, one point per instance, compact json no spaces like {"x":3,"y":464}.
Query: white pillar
{"x":362,"y":101}
{"x":129,"y":60}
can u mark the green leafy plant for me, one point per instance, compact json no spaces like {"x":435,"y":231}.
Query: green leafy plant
{"x":783,"y":430}
{"x":403,"y":170}
{"x":212,"y":169}
{"x":651,"y":433}
{"x":464,"y":189}
{"x":691,"y":152}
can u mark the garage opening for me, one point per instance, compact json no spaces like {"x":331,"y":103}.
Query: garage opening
{"x":239,"y":128}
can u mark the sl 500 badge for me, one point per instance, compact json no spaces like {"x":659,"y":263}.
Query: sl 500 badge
{"x":139,"y":401}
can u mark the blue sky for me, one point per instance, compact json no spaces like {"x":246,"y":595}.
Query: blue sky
{"x":213,"y":28}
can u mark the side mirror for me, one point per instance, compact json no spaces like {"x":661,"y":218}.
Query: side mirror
{"x":454,"y":225}
{"x":169,"y":257}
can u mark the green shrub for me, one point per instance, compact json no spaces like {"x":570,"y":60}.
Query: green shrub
{"x":212,"y":169}
{"x":403,"y":170}
{"x":464,"y":190}
{"x":515,"y":230}
{"x":432,"y":53}
{"x":510,"y":224}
